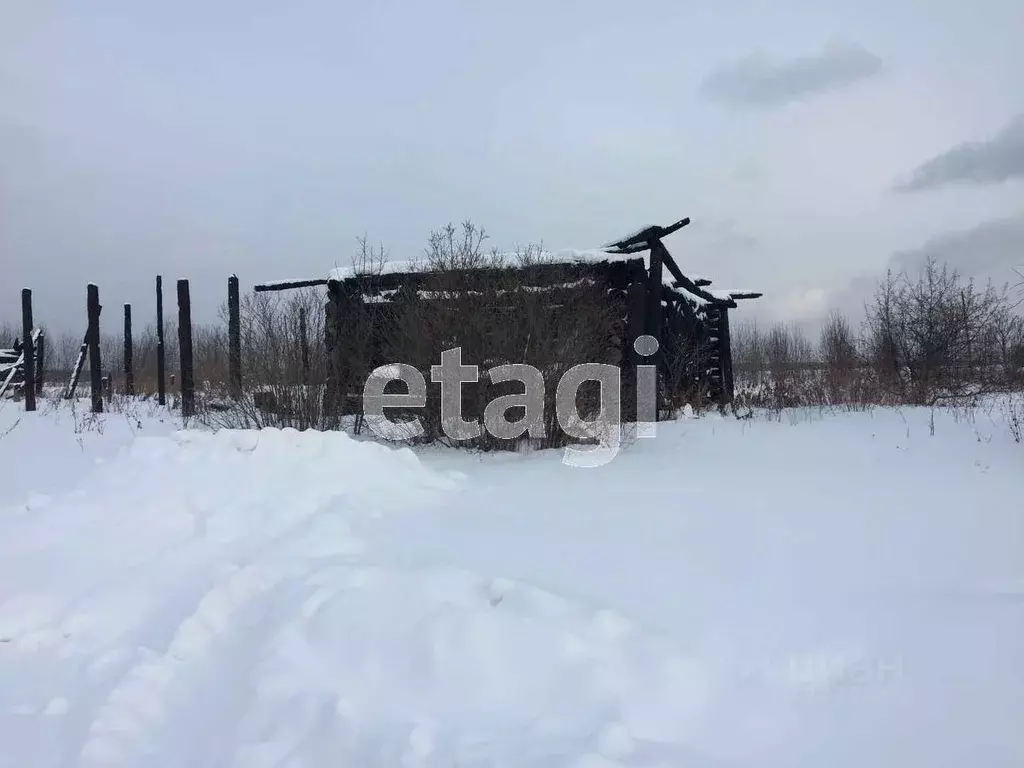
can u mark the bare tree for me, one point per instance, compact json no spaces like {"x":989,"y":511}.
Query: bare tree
{"x":934,"y":336}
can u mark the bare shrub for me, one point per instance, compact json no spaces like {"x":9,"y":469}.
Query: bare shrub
{"x":1013,"y":415}
{"x":845,"y":380}
{"x":786,"y":373}
{"x":935,"y":337}
{"x":283,"y":383}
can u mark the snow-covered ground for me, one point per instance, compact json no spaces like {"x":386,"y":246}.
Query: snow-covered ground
{"x":845,"y":590}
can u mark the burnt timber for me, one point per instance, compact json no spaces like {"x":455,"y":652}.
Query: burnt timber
{"x":690,"y":322}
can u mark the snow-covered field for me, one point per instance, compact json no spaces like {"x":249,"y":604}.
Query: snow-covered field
{"x":845,"y":590}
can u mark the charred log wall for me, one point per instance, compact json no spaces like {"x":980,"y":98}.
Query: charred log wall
{"x":551,"y":316}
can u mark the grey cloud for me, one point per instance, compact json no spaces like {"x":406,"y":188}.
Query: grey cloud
{"x":991,"y":161}
{"x":992,"y":250}
{"x":759,"y":82}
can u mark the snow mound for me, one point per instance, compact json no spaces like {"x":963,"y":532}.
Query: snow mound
{"x":217,"y":609}
{"x":380,"y":667}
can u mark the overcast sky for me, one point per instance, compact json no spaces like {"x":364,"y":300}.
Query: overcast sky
{"x":813,"y":143}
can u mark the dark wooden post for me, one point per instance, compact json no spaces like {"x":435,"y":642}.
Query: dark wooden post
{"x":636,"y":309}
{"x":161,"y":367}
{"x":304,"y":345}
{"x":129,"y":374}
{"x":28,"y":351}
{"x":654,"y":315}
{"x":40,"y":362}
{"x":188,"y":393}
{"x":332,"y":398}
{"x":725,"y":355}
{"x":95,"y":367}
{"x":234,"y":340}
{"x":654,"y":293}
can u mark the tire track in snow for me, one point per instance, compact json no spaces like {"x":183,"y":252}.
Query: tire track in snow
{"x":136,"y":703}
{"x":142,"y":701}
{"x":386,"y":666}
{"x":302,"y":654}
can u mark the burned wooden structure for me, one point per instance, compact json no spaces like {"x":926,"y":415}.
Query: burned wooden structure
{"x":642,"y":286}
{"x":13,"y":368}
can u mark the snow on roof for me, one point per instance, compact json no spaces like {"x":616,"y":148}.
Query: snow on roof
{"x":387,"y":268}
{"x":720,"y":293}
{"x":564,"y":255}
{"x":626,"y":238}
{"x":284,"y":281}
{"x":696,"y":300}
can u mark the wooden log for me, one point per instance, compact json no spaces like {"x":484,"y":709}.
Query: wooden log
{"x":636,"y":319}
{"x":681,"y":280}
{"x":40,"y":362}
{"x":129,"y":374}
{"x":93,"y":335}
{"x":79,"y":364}
{"x":28,"y":350}
{"x":188,"y":394}
{"x":288,"y":285}
{"x":646,"y":237}
{"x":10,"y":373}
{"x":725,"y":346}
{"x":740,"y":295}
{"x":234,"y":340}
{"x":653,"y":313}
{"x":636,"y":309}
{"x":161,"y":362}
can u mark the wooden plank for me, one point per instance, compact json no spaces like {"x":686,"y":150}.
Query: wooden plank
{"x":11,"y":371}
{"x":77,"y":371}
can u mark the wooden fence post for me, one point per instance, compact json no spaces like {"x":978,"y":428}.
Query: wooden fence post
{"x":304,"y":345}
{"x":40,"y":362}
{"x":161,"y":368}
{"x":95,"y":369}
{"x":129,"y":374}
{"x":234,"y":340}
{"x":188,"y":394}
{"x":28,"y":351}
